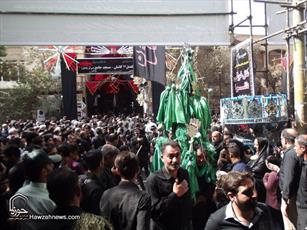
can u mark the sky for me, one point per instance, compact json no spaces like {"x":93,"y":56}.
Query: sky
{"x":241,"y":7}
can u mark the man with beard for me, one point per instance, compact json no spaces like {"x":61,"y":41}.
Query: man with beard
{"x":289,"y":175}
{"x":243,"y":211}
{"x":204,"y":204}
{"x":217,"y":141}
{"x":169,"y":191}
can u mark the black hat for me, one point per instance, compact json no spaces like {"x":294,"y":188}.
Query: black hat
{"x":37,"y":158}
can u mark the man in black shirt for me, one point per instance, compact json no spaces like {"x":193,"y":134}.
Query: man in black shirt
{"x":169,"y":191}
{"x":243,"y":211}
{"x":301,"y":199}
{"x":91,"y":186}
{"x":107,"y":177}
{"x":125,"y":205}
{"x":289,"y":175}
{"x":217,"y":141}
{"x":64,"y":190}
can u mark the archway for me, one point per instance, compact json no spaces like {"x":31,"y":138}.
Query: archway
{"x":115,"y":94}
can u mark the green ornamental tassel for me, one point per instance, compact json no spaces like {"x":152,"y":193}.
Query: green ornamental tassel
{"x":169,"y":117}
{"x":189,"y":163}
{"x":163,"y":103}
{"x":157,"y":162}
{"x":182,"y":139}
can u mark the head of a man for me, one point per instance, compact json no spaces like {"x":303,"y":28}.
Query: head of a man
{"x":11,"y":155}
{"x":301,"y":145}
{"x":171,"y":156}
{"x":63,"y":187}
{"x":38,"y":165}
{"x":112,"y":139}
{"x":109,"y":152}
{"x":127,"y":165}
{"x":227,"y":135}
{"x":240,"y":189}
{"x":287,"y":137}
{"x":216,"y":137}
{"x":93,"y":160}
{"x":201,"y":156}
{"x":234,"y":151}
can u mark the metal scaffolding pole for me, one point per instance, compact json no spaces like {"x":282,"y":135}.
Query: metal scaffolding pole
{"x":288,"y":61}
{"x":251,"y":36}
{"x":266,"y":64}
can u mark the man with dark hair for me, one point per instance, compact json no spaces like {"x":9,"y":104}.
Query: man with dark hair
{"x":289,"y":175}
{"x":217,"y":141}
{"x":107,"y":177}
{"x":235,"y":154}
{"x":301,"y":199}
{"x":125,"y":205}
{"x":11,"y":155}
{"x":99,"y":139}
{"x":112,"y":139}
{"x":37,"y":166}
{"x":64,"y":190}
{"x":243,"y":211}
{"x":70,"y":157}
{"x":30,"y":139}
{"x":3,"y":143}
{"x":91,"y":187}
{"x":16,"y":172}
{"x":48,"y":139}
{"x":204,"y":204}
{"x":169,"y":191}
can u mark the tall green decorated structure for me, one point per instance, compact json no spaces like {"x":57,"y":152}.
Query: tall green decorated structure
{"x":185,"y":113}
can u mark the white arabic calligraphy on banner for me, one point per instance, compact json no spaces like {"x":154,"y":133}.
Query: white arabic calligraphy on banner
{"x":242,"y":76}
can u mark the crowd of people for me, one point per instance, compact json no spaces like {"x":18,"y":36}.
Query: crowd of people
{"x":100,"y":171}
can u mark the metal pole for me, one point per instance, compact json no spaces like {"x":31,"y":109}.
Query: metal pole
{"x":250,"y":20}
{"x":288,"y":62}
{"x":231,"y":8}
{"x":289,"y":29}
{"x":251,"y":35}
{"x":266,"y":46}
{"x":298,"y":73}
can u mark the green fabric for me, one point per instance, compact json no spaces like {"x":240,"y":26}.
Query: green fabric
{"x":211,"y":153}
{"x":208,"y":172}
{"x":186,"y":74}
{"x":180,"y":111}
{"x":169,"y":115}
{"x":201,"y":112}
{"x":177,"y":107}
{"x":182,"y":139}
{"x":189,"y":163}
{"x":157,"y":162}
{"x":163,"y":104}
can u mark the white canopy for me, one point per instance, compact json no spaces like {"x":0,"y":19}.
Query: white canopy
{"x":114,"y":22}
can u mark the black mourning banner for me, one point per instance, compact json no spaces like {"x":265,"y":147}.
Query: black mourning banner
{"x":69,"y":92}
{"x":149,"y":63}
{"x":242,"y":76}
{"x":110,"y":65}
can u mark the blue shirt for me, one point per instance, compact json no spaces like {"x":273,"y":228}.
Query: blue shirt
{"x":240,"y":167}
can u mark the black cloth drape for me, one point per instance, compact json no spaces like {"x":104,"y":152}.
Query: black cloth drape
{"x":69,"y":91}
